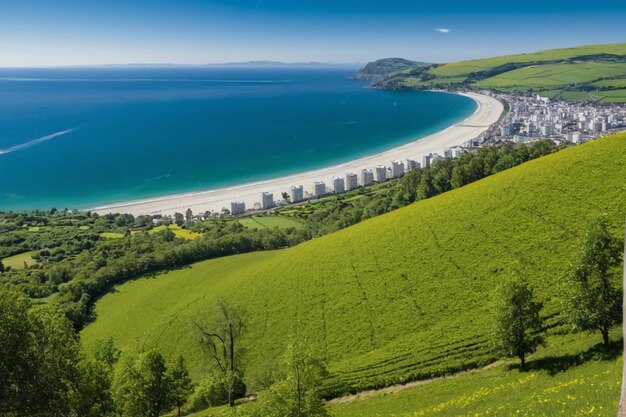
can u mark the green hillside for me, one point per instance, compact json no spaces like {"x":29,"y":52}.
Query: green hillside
{"x":596,"y":72}
{"x":399,"y":297}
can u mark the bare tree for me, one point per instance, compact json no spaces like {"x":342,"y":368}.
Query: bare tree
{"x":220,"y":334}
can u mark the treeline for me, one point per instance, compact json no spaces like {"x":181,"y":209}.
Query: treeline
{"x":94,"y":272}
{"x":443,"y":175}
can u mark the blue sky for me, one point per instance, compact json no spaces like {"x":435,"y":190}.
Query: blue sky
{"x":74,"y":32}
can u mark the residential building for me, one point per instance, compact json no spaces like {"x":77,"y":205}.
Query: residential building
{"x":319,"y":188}
{"x":297,"y":193}
{"x":339,"y":185}
{"x":237,"y":207}
{"x":367,"y":177}
{"x":381,"y":173}
{"x":397,"y":168}
{"x":267,"y":200}
{"x":352,"y":181}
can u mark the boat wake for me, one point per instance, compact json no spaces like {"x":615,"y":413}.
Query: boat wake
{"x":34,"y":142}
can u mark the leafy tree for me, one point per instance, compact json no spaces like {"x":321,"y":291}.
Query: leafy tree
{"x":297,"y":393}
{"x":39,"y":353}
{"x":142,"y":386}
{"x":106,"y":352}
{"x":592,"y":300}
{"x":182,"y":387}
{"x":220,"y":334}
{"x":91,"y":396}
{"x":189,"y":215}
{"x":179,"y":219}
{"x":517,"y":328}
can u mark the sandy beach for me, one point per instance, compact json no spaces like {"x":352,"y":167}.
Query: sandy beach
{"x":488,"y":112}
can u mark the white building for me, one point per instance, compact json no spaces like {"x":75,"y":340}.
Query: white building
{"x":397,"y":168}
{"x":412,"y":164}
{"x":237,"y":207}
{"x":339,"y":185}
{"x":381,"y":173}
{"x":267,"y":200}
{"x":352,"y":181}
{"x":426,"y":161}
{"x":367,"y":177}
{"x":297,"y":193}
{"x":319,"y":188}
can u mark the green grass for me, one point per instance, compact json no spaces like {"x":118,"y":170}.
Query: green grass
{"x":178,"y":231}
{"x":83,"y":227}
{"x":34,"y":229}
{"x":111,"y":235}
{"x":563,"y":73}
{"x":399,"y":297}
{"x":554,"y":75}
{"x":562,"y":381}
{"x":270,"y":222}
{"x":18,"y":261}
{"x":456,"y":69}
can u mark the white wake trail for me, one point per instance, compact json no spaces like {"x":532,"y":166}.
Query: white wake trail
{"x":35,"y":141}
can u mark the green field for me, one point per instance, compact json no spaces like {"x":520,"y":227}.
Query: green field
{"x":111,"y":235}
{"x":597,"y":69}
{"x":269,"y":222}
{"x":399,"y":297}
{"x":178,"y":231}
{"x":18,"y":261}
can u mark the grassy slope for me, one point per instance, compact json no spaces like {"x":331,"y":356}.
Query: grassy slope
{"x":563,"y":381}
{"x":269,"y":222}
{"x":397,"y":297}
{"x":555,"y":79}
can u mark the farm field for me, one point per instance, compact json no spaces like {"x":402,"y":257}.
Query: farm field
{"x":398,"y":297}
{"x":587,"y":73}
{"x":269,"y":222}
{"x":18,"y":261}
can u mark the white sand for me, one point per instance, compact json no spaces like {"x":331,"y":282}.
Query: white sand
{"x":488,"y":112}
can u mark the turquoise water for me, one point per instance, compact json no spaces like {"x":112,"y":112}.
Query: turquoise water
{"x":78,"y":138}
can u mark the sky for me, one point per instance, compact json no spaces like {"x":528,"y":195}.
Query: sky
{"x":96,"y":32}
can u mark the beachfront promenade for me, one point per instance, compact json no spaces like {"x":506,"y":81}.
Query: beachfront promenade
{"x":488,"y":112}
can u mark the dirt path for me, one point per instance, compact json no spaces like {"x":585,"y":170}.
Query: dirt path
{"x":401,"y":387}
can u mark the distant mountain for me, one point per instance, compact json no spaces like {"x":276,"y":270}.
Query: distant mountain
{"x":378,"y":70}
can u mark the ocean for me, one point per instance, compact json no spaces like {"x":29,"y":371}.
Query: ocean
{"x":82,"y":137}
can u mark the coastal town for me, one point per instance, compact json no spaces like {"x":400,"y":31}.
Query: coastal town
{"x":528,"y":118}
{"x":500,"y":118}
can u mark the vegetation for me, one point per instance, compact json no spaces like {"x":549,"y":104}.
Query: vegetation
{"x":592,"y":298}
{"x":570,"y":376}
{"x":593,"y":72}
{"x":518,"y":326}
{"x":396,"y":298}
{"x":378,"y":69}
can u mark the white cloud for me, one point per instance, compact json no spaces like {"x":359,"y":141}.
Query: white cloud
{"x":443,"y":30}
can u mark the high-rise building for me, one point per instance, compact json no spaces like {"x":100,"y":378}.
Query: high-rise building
{"x":381,"y":173}
{"x":237,"y":207}
{"x":426,"y":161}
{"x":367,"y":177}
{"x":412,"y":164}
{"x":339,"y":186}
{"x":352,"y":181}
{"x":267,"y":200}
{"x":297,"y":193}
{"x":397,"y":168}
{"x":320,"y":188}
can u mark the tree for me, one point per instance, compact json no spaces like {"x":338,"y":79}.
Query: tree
{"x":517,"y":328}
{"x":220,"y":335}
{"x":189,"y":215}
{"x":106,"y":352}
{"x":297,"y":393}
{"x":91,"y":396}
{"x":179,"y":219}
{"x":39,"y":353}
{"x":142,"y":386}
{"x":592,"y":300}
{"x":285,"y":196}
{"x":182,"y":387}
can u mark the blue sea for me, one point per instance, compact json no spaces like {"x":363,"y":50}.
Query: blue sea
{"x":83,"y":137}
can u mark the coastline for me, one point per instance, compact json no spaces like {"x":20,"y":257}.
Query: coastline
{"x":488,"y":112}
